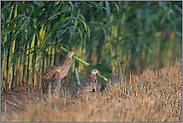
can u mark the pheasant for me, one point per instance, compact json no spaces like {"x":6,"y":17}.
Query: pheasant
{"x":55,"y":74}
{"x":87,"y":86}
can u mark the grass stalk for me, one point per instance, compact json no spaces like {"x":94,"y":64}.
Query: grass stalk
{"x":52,"y":56}
{"x":4,"y":72}
{"x":25,"y":66}
{"x":13,"y":51}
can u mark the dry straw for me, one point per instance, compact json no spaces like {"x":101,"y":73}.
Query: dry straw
{"x":153,"y":96}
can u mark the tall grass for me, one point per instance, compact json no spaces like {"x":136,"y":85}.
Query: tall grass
{"x":149,"y":35}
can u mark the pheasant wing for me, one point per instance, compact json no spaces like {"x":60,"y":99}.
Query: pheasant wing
{"x":84,"y":88}
{"x":49,"y":73}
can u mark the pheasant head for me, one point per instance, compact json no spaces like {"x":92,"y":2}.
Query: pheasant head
{"x":70,"y":54}
{"x":95,"y":71}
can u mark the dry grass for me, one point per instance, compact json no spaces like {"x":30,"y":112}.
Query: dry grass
{"x":151,"y":97}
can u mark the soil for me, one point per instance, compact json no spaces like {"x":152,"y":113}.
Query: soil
{"x":17,"y":100}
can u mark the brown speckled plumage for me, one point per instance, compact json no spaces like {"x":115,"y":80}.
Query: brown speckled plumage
{"x":55,"y":74}
{"x":87,"y":86}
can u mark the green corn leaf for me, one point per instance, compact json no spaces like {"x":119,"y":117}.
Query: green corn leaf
{"x":6,"y":30}
{"x":88,"y":31}
{"x":81,"y":15}
{"x":115,"y":5}
{"x":102,"y":68}
{"x":80,"y":34}
{"x":59,"y":13}
{"x":84,"y":23}
{"x":96,"y":4}
{"x":108,"y":9}
{"x":180,"y":9}
{"x":178,"y":33}
{"x":71,"y":4}
{"x":78,"y":77}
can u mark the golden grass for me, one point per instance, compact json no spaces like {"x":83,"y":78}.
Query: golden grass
{"x":153,"y":96}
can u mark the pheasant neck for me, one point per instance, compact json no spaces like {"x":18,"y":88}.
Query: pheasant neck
{"x":92,"y":78}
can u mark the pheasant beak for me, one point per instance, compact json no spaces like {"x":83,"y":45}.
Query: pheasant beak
{"x":97,"y":72}
{"x":73,"y":54}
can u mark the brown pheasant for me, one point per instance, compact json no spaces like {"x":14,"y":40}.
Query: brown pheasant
{"x":87,"y":86}
{"x":55,"y":74}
